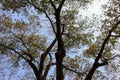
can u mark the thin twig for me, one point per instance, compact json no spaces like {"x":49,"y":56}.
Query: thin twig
{"x":39,"y":9}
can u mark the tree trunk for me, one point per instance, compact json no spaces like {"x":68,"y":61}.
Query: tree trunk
{"x":60,"y":54}
{"x":59,"y":69}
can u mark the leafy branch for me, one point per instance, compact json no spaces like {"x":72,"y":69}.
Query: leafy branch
{"x":44,"y":11}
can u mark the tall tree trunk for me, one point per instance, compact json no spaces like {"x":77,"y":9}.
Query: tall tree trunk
{"x":60,"y":54}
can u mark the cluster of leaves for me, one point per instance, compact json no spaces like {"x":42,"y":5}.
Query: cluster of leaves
{"x":12,"y":4}
{"x":20,"y":37}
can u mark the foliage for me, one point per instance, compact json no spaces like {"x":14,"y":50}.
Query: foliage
{"x":25,"y":40}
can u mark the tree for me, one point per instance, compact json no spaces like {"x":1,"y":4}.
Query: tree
{"x":22,"y":39}
{"x":114,"y":23}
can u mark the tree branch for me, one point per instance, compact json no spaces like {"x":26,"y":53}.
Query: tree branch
{"x":50,"y":47}
{"x":35,"y":70}
{"x":12,"y":49}
{"x":27,"y":60}
{"x":96,"y":62}
{"x":111,"y":58}
{"x":35,"y":6}
{"x":105,"y":41}
{"x":78,"y":73}
{"x":43,"y":56}
{"x":102,"y":64}
{"x":61,"y":4}
{"x":48,"y":66}
{"x":114,"y":57}
{"x":24,"y":44}
{"x":39,"y":9}
{"x":53,"y":5}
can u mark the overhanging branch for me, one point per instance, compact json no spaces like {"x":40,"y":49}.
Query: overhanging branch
{"x":21,"y":55}
{"x":24,"y":44}
{"x":12,"y":49}
{"x":39,"y":9}
{"x":53,"y":5}
{"x":105,"y":41}
{"x":96,"y":62}
{"x":78,"y":73}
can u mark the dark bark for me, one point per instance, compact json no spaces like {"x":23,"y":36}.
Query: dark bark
{"x":47,"y":68}
{"x":91,"y":72}
{"x":41,"y":65}
{"x":59,"y":68}
{"x":60,"y":54}
{"x":96,"y":63}
{"x":43,"y":56}
{"x":67,"y":68}
{"x":60,"y":50}
{"x":35,"y":70}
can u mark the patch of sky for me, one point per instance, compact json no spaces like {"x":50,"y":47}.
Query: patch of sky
{"x":51,"y":73}
{"x":76,"y":51}
{"x":14,"y":16}
{"x":46,"y":29}
{"x":95,"y":14}
{"x":93,"y":9}
{"x":4,"y":68}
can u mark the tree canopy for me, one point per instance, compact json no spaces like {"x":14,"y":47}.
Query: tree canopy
{"x":51,"y":41}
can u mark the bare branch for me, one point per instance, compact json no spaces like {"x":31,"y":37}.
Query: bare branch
{"x":114,"y":57}
{"x":117,"y":17}
{"x":63,"y":28}
{"x":102,"y":64}
{"x":34,"y":68}
{"x":50,"y":22}
{"x":53,"y":5}
{"x":35,"y":6}
{"x":78,"y":73}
